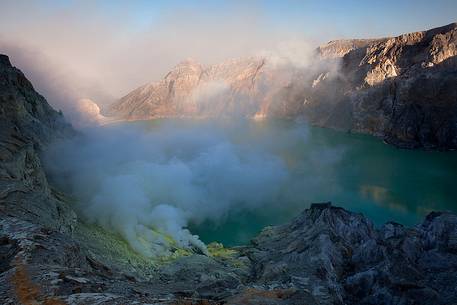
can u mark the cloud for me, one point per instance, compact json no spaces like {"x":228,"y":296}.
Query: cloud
{"x":141,"y":183}
{"x":295,"y":53}
{"x":148,"y":181}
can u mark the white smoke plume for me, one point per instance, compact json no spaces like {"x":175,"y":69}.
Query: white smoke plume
{"x":141,"y":183}
{"x":294,"y":53}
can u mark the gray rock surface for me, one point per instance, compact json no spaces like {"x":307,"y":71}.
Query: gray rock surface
{"x":27,"y":124}
{"x":326,"y":255}
{"x":341,"y":258}
{"x":402,"y":89}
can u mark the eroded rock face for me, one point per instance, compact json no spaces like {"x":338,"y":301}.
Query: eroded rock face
{"x":341,"y":258}
{"x":27,"y":125}
{"x":403,"y":89}
{"x":241,"y":88}
{"x":339,"y":48}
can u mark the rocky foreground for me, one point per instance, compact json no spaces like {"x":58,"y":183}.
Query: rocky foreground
{"x":402,"y":89}
{"x":327,"y":255}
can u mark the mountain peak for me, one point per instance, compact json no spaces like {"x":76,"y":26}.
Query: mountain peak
{"x":185,"y":68}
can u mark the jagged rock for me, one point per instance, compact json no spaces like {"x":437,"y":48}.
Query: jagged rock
{"x":201,"y":276}
{"x":402,"y":89}
{"x":342,"y":259}
{"x":27,"y":125}
{"x":339,"y":48}
{"x":240,"y":87}
{"x":326,"y":255}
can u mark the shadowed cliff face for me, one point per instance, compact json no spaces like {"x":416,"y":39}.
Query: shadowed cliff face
{"x":341,"y":258}
{"x":27,"y":125}
{"x":402,"y":89}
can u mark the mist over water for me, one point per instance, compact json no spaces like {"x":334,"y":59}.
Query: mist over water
{"x":225,"y":180}
{"x":142,"y":182}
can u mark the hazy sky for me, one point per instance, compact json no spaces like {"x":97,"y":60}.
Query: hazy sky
{"x":318,"y":18}
{"x":103,"y":49}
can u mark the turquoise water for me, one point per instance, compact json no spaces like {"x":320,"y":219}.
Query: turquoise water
{"x":356,"y":172}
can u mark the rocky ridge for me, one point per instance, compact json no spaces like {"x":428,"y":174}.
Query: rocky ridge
{"x":339,"y":48}
{"x":239,"y":87}
{"x":341,"y":258}
{"x":401,"y":89}
{"x":27,"y":125}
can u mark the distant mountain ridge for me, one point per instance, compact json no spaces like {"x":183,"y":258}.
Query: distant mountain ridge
{"x":339,"y":48}
{"x":235,"y":87}
{"x":401,"y":89}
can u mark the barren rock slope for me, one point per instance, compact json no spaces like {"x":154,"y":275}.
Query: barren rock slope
{"x":402,"y":89}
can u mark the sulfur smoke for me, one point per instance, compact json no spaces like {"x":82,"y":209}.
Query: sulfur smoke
{"x":148,"y":185}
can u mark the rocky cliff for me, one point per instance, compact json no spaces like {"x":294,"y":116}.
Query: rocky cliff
{"x":241,"y":87}
{"x":339,"y":48}
{"x":27,"y":125}
{"x":402,"y":89}
{"x":339,"y":257}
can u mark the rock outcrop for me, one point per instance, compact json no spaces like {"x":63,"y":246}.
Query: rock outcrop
{"x":27,"y":125}
{"x":341,"y":258}
{"x":401,"y":89}
{"x":326,"y":255}
{"x":339,"y":48}
{"x":241,"y":88}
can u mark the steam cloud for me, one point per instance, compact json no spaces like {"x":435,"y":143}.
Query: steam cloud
{"x":149,"y":182}
{"x":141,"y":183}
